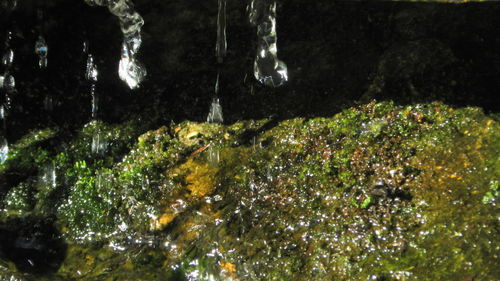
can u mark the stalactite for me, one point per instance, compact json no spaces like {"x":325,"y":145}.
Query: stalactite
{"x":268,"y":69}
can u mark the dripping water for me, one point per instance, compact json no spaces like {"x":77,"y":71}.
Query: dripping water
{"x":42,"y":50}
{"x":268,"y":69}
{"x":130,"y":70}
{"x":215,"y":113}
{"x":95,"y":101}
{"x":221,"y":45}
{"x":215,"y":116}
{"x":98,"y":145}
{"x":48,"y":177}
{"x":8,"y":87}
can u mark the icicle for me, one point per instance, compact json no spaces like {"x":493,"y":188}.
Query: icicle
{"x":221,"y":45}
{"x":268,"y":69}
{"x":130,"y":70}
{"x":41,"y":49}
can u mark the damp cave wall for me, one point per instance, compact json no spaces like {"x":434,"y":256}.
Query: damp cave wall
{"x":339,"y":53}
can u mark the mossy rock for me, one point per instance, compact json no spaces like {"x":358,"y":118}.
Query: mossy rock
{"x":378,"y":192}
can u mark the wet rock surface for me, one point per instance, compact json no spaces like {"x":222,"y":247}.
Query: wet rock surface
{"x":379,"y":192}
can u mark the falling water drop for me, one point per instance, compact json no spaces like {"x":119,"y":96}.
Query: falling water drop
{"x":8,"y":83}
{"x":91,"y":72}
{"x":215,"y":114}
{"x":130,"y":70}
{"x":41,"y":49}
{"x":221,"y":45}
{"x":48,"y":178}
{"x":95,"y":102}
{"x":48,"y":103}
{"x":268,"y":69}
{"x":4,"y":149}
{"x":98,"y":143}
{"x":8,"y":58}
{"x":2,"y":112}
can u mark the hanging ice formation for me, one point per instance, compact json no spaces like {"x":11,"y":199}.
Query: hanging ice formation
{"x":130,"y":70}
{"x":268,"y":69}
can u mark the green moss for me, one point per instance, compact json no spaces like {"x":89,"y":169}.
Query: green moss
{"x":378,"y":191}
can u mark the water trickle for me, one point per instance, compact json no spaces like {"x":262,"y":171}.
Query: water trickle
{"x":91,"y":72}
{"x":221,"y":45}
{"x":268,"y":69}
{"x":42,"y":50}
{"x":95,"y":101}
{"x":130,"y":70}
{"x":98,"y":143}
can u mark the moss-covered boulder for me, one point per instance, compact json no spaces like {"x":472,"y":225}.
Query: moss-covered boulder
{"x":377,"y":192}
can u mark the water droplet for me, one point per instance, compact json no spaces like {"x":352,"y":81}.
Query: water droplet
{"x":268,"y":69}
{"x":8,"y":83}
{"x":130,"y":70}
{"x":48,"y":103}
{"x":41,"y":49}
{"x":98,"y":143}
{"x":91,"y":72}
{"x":95,"y":102}
{"x":215,"y":114}
{"x":8,"y":58}
{"x":4,"y":149}
{"x":85,"y":48}
{"x":48,"y":178}
{"x":221,"y":45}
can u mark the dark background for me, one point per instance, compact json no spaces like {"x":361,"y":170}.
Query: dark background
{"x":338,"y":54}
